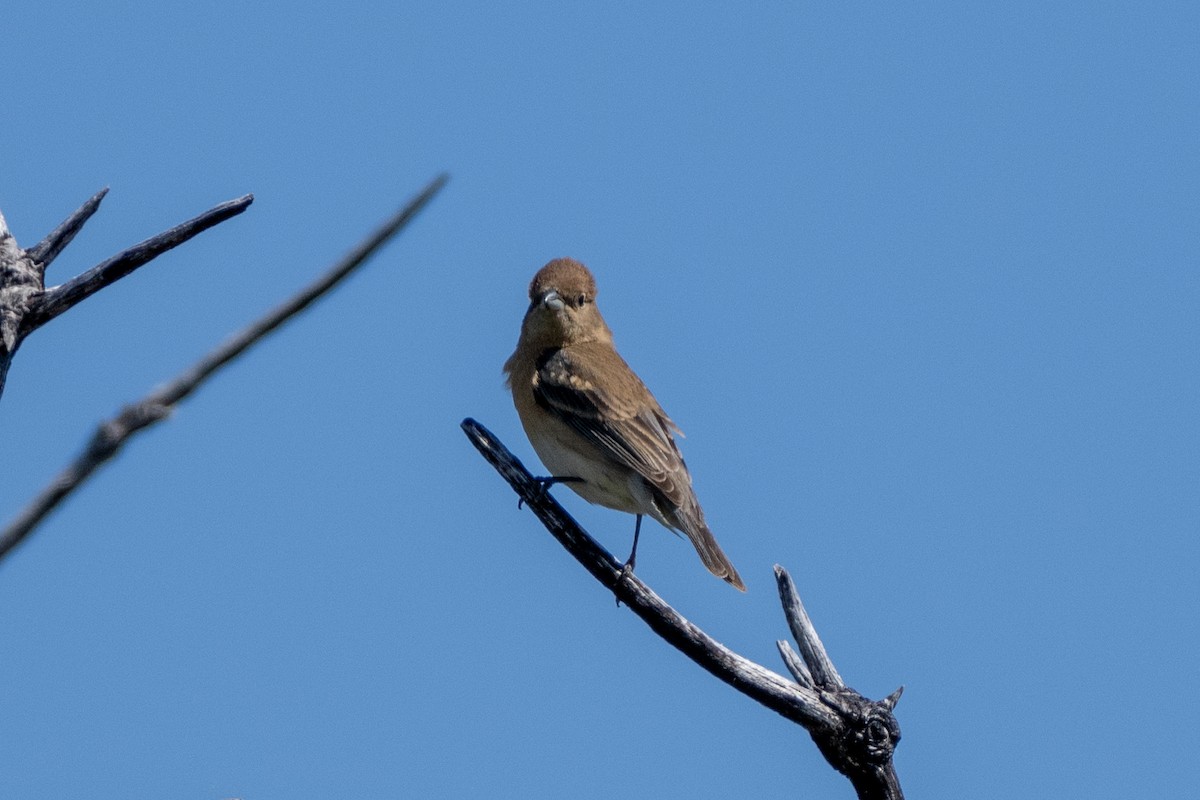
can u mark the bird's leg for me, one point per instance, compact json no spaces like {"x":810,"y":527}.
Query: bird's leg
{"x":627,"y":569}
{"x":547,"y":482}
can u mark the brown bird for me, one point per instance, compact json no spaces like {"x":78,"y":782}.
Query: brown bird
{"x":593,"y":422}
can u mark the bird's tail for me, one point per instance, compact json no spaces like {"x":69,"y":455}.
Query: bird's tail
{"x":690,"y":520}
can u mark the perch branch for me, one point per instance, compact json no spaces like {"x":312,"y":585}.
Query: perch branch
{"x":857,"y":736}
{"x":111,"y":435}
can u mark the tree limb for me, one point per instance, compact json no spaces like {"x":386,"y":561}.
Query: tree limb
{"x":45,"y":251}
{"x":57,"y":299}
{"x":25,"y":302}
{"x":857,"y":736}
{"x":861,"y":748}
{"x":112,"y":434}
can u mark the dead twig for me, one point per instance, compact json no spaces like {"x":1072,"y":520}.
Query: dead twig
{"x":857,"y":736}
{"x":113,"y":434}
{"x":26,"y":303}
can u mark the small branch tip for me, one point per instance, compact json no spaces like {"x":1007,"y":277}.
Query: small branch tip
{"x":852,"y":732}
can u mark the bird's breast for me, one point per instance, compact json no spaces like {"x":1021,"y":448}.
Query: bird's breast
{"x":567,"y":454}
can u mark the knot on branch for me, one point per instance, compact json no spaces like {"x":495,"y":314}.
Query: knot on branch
{"x":879,"y":736}
{"x":857,"y":736}
{"x":862,"y":735}
{"x":20,"y":285}
{"x":869,"y":733}
{"x":109,"y":437}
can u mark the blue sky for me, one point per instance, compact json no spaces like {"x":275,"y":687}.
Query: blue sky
{"x":919,"y":283}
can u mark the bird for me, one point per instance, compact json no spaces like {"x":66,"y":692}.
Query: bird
{"x":592,"y":421}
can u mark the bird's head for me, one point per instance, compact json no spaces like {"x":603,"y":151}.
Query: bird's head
{"x":562,"y":306}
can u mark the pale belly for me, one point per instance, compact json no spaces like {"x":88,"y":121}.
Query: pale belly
{"x":605,"y":482}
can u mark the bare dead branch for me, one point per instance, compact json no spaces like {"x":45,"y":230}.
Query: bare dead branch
{"x":795,"y":665}
{"x":57,"y":299}
{"x":182,"y":386}
{"x":822,"y":671}
{"x":45,"y":251}
{"x":113,"y":434}
{"x":20,"y":279}
{"x":862,"y":748}
{"x":25,"y":302}
{"x":104,"y":444}
{"x":857,"y":736}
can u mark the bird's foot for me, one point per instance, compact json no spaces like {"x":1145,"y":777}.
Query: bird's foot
{"x":625,"y":573}
{"x":547,"y":482}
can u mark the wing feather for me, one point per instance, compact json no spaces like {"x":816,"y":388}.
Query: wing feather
{"x":592,"y":389}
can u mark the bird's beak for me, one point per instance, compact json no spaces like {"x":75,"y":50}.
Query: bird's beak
{"x":552,"y":301}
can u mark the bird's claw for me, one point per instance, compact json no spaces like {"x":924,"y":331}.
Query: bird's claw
{"x":545,"y":483}
{"x":626,"y":570}
{"x":623,"y":575}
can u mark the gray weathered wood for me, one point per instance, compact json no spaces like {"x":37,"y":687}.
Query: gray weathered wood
{"x":26,"y":303}
{"x":861,"y":745}
{"x":110,"y":436}
{"x":857,"y":736}
{"x":45,"y":251}
{"x":57,"y":299}
{"x":821,"y":668}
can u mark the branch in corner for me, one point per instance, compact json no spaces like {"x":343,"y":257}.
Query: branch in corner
{"x":113,"y":434}
{"x":57,"y":299}
{"x":26,"y":303}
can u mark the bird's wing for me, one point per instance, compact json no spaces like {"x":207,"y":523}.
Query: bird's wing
{"x":622,"y":419}
{"x":592,"y":389}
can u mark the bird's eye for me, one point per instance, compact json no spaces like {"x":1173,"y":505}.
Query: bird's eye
{"x":579,"y":301}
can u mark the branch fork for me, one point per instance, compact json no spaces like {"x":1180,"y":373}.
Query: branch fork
{"x":112,"y":435}
{"x":26,"y":303}
{"x":861,"y":744}
{"x":857,"y":736}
